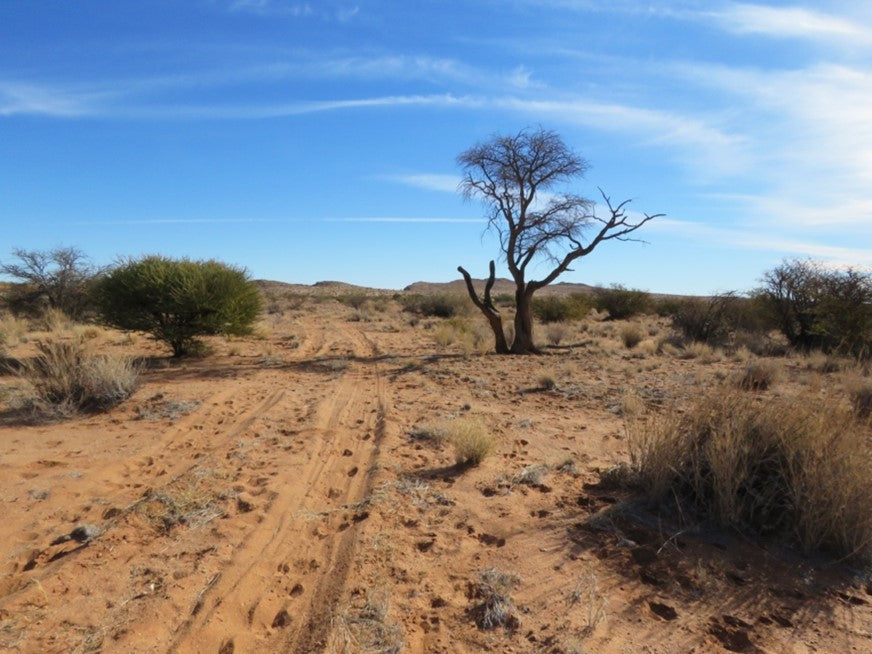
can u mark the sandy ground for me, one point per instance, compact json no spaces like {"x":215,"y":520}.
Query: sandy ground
{"x":277,"y":496}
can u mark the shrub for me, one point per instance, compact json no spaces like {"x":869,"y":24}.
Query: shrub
{"x":472,"y":441}
{"x":815,"y":307}
{"x":440,"y":305}
{"x":631,"y":335}
{"x":620,"y":302}
{"x":178,"y":300}
{"x":65,"y":378}
{"x":554,"y":308}
{"x":58,"y":279}
{"x":794,"y":469}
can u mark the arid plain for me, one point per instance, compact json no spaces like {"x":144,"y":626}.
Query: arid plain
{"x":297,"y":491}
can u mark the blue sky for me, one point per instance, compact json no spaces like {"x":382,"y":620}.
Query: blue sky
{"x":317,"y":140}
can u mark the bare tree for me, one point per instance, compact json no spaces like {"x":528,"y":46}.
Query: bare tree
{"x":57,"y":277}
{"x":512,"y":176}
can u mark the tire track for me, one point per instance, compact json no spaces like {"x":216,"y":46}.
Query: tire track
{"x":289,"y":565}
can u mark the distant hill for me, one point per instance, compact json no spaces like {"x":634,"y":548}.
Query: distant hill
{"x":501,"y":285}
{"x":318,"y":288}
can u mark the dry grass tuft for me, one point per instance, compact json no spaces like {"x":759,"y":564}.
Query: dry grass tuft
{"x":472,"y":441}
{"x":547,"y":382}
{"x":861,"y":401}
{"x":66,"y":378}
{"x":701,"y":352}
{"x":795,"y":469}
{"x":556,"y":333}
{"x":364,"y":627}
{"x":631,"y":336}
{"x":495,"y":608}
{"x":757,"y":376}
{"x":12,"y":330}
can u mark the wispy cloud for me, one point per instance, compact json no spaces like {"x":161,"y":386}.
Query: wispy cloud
{"x":797,"y":22}
{"x":272,"y":221}
{"x":722,"y":151}
{"x":265,"y":7}
{"x":262,"y":111}
{"x":427,"y":181}
{"x":760,"y":239}
{"x":809,"y":135}
{"x":395,"y":219}
{"x":41,"y":100}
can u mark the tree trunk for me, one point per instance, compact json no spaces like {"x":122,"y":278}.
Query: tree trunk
{"x":487,"y":308}
{"x":523,"y":343}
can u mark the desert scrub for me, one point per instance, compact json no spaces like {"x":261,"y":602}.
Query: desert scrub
{"x":65,"y":378}
{"x":472,"y":441}
{"x":796,"y":469}
{"x":495,"y":607}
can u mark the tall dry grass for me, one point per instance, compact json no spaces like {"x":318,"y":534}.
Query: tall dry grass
{"x":66,"y":378}
{"x":795,"y":469}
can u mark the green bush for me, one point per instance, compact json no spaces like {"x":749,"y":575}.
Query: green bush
{"x":815,"y":307}
{"x":621,"y":302}
{"x":178,"y":300}
{"x":554,"y":308}
{"x":440,"y":305}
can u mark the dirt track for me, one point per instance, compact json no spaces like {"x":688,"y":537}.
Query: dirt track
{"x":270,"y":499}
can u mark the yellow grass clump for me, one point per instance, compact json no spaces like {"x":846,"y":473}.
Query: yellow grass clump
{"x":796,"y":469}
{"x":472,"y":441}
{"x":65,"y":378}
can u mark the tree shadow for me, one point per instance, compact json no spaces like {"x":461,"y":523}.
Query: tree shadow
{"x":752,"y":588}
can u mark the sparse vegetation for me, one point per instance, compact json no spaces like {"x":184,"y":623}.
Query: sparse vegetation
{"x":794,"y":469}
{"x":177,"y":301}
{"x":495,"y":607}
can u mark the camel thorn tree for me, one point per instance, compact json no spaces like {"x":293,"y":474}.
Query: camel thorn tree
{"x":512,"y":176}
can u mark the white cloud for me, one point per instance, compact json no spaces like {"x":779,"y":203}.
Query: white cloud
{"x":809,"y":135}
{"x":265,"y":7}
{"x":427,"y":181}
{"x":760,"y":239}
{"x":721,"y":153}
{"x":396,"y":219}
{"x":346,"y":14}
{"x":741,"y":18}
{"x":42,"y":100}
